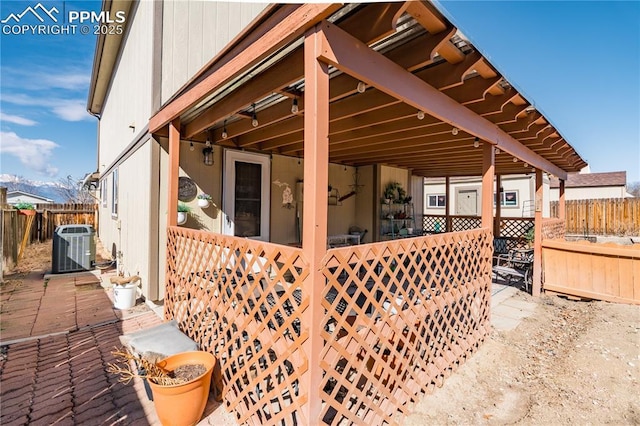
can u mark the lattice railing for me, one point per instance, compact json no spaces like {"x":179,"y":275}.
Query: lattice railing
{"x":465,"y":223}
{"x":553,"y":228}
{"x":515,"y":227}
{"x":240,"y":299}
{"x":400,"y":317}
{"x":433,"y":224}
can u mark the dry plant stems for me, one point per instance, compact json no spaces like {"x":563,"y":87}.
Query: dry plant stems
{"x":129,"y":366}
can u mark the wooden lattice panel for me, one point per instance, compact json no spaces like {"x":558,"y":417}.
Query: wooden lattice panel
{"x":515,"y":227}
{"x":240,"y":299}
{"x":553,"y":228}
{"x":465,"y":223}
{"x":433,"y":224}
{"x":400,"y":317}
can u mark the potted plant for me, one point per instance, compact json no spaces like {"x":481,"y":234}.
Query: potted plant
{"x":26,"y":209}
{"x":180,"y":383}
{"x":204,"y":200}
{"x":183,"y":210}
{"x":530,"y":236}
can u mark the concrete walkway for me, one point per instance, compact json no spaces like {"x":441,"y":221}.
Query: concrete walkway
{"x":56,"y":339}
{"x":507,"y":310}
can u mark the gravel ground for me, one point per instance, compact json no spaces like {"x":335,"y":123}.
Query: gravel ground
{"x":574,"y":362}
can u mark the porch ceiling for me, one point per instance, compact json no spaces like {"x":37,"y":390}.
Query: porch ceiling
{"x":374,"y":127}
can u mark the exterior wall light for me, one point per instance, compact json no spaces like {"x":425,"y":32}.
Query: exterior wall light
{"x":207,"y":153}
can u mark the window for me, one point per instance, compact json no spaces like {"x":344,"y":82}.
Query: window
{"x":436,"y":201}
{"x":103,"y":192}
{"x":507,"y":199}
{"x":114,"y":193}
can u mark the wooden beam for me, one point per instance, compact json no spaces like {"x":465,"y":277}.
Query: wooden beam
{"x":293,"y":26}
{"x":314,"y":233}
{"x":497,"y":219}
{"x":356,"y":58}
{"x":488,"y":173}
{"x":537,"y":240}
{"x":562,"y":207}
{"x":447,"y":204}
{"x":174,"y":172}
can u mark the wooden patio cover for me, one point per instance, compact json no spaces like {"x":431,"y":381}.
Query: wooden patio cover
{"x":411,"y":61}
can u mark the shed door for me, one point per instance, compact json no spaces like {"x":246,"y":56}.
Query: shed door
{"x":467,"y":203}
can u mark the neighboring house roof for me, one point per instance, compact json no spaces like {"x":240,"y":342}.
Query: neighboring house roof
{"x":579,"y":180}
{"x":17,"y":194}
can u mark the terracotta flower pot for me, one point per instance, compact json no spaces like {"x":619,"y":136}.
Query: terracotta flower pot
{"x":27,"y":212}
{"x":183,"y":404}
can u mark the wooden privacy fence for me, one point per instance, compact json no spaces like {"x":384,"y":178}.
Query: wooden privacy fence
{"x":399,"y":317}
{"x":596,"y":271}
{"x":612,"y":216}
{"x":47,"y":218}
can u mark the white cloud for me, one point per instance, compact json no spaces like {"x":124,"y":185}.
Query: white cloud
{"x":16,"y":119}
{"x":72,"y":110}
{"x":34,"y":154}
{"x":69,"y":78}
{"x":66,"y":109}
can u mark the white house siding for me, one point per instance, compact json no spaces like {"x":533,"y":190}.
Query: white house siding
{"x":129,"y":99}
{"x":589,"y":193}
{"x":126,"y":112}
{"x":25,"y":198}
{"x":194,"y":32}
{"x":523,"y":185}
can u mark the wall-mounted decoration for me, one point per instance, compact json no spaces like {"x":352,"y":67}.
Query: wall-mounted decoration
{"x":187,"y":189}
{"x":287,"y":194}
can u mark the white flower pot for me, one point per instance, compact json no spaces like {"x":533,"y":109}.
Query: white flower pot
{"x":203,"y":203}
{"x":182,"y":218}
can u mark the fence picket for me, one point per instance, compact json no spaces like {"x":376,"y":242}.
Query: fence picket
{"x":610,"y":216}
{"x":48,"y":217}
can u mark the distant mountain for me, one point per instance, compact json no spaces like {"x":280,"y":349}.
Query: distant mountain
{"x":49,"y":190}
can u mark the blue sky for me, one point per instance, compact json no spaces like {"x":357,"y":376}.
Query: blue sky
{"x":47,"y":133}
{"x":577,"y":62}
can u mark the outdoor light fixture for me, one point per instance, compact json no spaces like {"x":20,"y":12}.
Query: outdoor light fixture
{"x":526,"y":165}
{"x":254,"y":117}
{"x":515,"y":160}
{"x":454,"y":131}
{"x":361,"y":87}
{"x":191,"y":147}
{"x":208,"y":143}
{"x":224,"y":130}
{"x":476,"y":142}
{"x":294,"y":106}
{"x":207,"y":153}
{"x":497,"y":151}
{"x":420,"y":115}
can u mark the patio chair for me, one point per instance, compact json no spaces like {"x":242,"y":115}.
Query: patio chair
{"x":516,"y":265}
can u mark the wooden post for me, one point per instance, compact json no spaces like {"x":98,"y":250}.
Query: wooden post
{"x":174,"y":171}
{"x":488,"y":172}
{"x":562,"y":207}
{"x":498,"y":218}
{"x":314,"y":233}
{"x":447,"y":203}
{"x":537,"y":242}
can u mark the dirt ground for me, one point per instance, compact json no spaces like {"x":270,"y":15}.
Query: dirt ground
{"x":573,"y":362}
